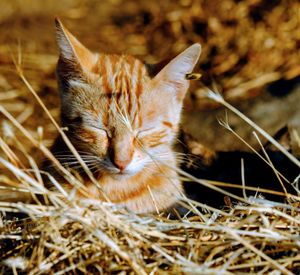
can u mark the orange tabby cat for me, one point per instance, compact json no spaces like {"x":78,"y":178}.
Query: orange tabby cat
{"x":122,"y":122}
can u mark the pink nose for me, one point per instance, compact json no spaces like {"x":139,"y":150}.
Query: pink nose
{"x":121,"y":164}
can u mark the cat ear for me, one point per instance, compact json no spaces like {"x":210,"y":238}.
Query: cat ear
{"x":72,"y":51}
{"x":172,"y":76}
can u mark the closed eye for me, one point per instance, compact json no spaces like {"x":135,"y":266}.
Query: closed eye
{"x":101,"y":130}
{"x":153,"y":137}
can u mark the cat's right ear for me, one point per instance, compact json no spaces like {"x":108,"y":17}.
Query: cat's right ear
{"x":74,"y":56}
{"x":172,"y":77}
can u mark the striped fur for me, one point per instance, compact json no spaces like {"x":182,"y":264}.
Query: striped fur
{"x":122,"y":122}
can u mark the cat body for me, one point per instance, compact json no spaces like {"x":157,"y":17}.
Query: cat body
{"x":122,"y":122}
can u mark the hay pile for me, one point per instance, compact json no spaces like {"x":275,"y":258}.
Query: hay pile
{"x":100,"y":238}
{"x":246,"y":45}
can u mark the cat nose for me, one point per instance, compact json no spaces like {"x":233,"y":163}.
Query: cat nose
{"x":121,"y":164}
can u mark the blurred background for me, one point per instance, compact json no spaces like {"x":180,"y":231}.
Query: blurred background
{"x":250,"y":55}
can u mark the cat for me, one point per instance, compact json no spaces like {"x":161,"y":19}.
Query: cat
{"x":123,"y":122}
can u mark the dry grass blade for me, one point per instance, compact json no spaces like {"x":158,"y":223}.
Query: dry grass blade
{"x":218,"y":98}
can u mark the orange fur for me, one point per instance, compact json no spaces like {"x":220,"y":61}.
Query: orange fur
{"x":122,"y":122}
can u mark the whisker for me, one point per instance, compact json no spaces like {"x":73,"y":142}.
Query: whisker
{"x":73,"y":157}
{"x":73,"y":165}
{"x":70,"y":153}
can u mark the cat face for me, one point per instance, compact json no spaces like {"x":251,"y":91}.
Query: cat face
{"x":121,"y":120}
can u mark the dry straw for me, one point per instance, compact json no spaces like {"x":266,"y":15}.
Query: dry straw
{"x":65,"y":235}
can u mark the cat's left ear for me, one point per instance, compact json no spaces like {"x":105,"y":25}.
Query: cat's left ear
{"x":72,"y":51}
{"x":173,"y":76}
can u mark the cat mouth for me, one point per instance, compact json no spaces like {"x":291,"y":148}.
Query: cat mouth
{"x":125,"y":173}
{"x":117,"y":173}
{"x":121,"y":174}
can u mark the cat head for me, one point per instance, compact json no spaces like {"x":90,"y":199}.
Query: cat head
{"x":115,"y":112}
